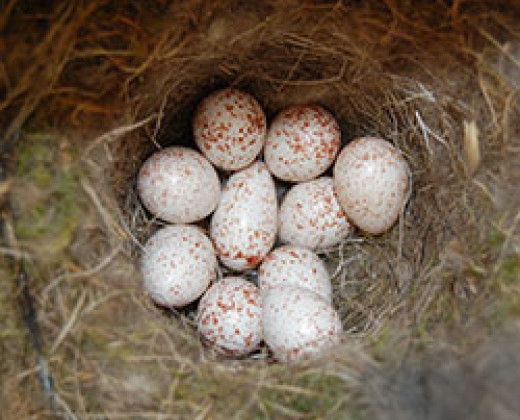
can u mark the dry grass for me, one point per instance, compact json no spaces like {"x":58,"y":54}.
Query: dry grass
{"x":90,"y":89}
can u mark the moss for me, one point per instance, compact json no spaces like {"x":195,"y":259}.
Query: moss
{"x":380,"y":344}
{"x":510,"y":270}
{"x":10,"y":323}
{"x":322,"y":395}
{"x":508,"y":293}
{"x":35,"y":147}
{"x":51,"y":215}
{"x":504,"y":311}
{"x":495,"y":237}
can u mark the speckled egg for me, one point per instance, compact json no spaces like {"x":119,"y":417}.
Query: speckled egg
{"x":371,"y":180}
{"x":178,"y":185}
{"x":298,"y":323}
{"x":295,"y":266}
{"x":243,"y":227}
{"x":177,"y":265}
{"x":230,"y":128}
{"x":310,"y":216}
{"x":302,"y":143}
{"x":230,"y":316}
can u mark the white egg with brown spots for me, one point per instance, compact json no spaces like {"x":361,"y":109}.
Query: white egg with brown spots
{"x":298,"y":323}
{"x":230,"y":128}
{"x":178,"y":185}
{"x":302,"y":143}
{"x":243,"y":227}
{"x":177,"y":265}
{"x":295,"y":266}
{"x":311,"y":217}
{"x":371,"y":180}
{"x":230,"y":316}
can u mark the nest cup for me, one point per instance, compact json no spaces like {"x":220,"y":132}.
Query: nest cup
{"x":430,"y":78}
{"x":374,"y":80}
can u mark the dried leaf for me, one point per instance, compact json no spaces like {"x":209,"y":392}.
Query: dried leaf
{"x":471,"y":147}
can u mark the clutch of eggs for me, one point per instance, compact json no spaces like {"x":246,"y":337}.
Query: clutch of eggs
{"x":291,"y":309}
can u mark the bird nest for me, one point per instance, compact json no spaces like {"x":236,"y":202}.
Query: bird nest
{"x":112,"y":82}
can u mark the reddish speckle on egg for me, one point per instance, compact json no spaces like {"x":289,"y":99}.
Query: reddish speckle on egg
{"x":171,"y":275}
{"x":298,"y":323}
{"x":178,"y":185}
{"x":230,"y":128}
{"x":302,"y":143}
{"x":371,"y":180}
{"x":295,"y":266}
{"x":233,"y":304}
{"x":311,"y":217}
{"x":243,"y":227}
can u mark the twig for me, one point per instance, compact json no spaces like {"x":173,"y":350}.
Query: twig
{"x":31,"y":322}
{"x":426,"y":131}
{"x":15,"y":253}
{"x":129,"y":233}
{"x":117,"y":133}
{"x":68,"y":413}
{"x":29,"y":314}
{"x":401,"y":215}
{"x":82,"y":274}
{"x":72,"y":319}
{"x":108,"y":220}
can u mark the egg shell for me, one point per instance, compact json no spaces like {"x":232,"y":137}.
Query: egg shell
{"x":230,"y":316}
{"x":243,"y":227}
{"x":298,"y":323}
{"x":302,"y":143}
{"x":295,"y":266}
{"x":177,"y":265}
{"x":371,"y":180}
{"x":178,"y":185}
{"x":311,"y":217}
{"x":230,"y":128}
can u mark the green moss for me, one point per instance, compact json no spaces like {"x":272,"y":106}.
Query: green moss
{"x":508,"y":280}
{"x":424,"y":325}
{"x":505,"y":310}
{"x":495,"y":237}
{"x":54,"y":217}
{"x":36,"y":159}
{"x":380,"y":344}
{"x":53,"y":213}
{"x":510,"y":270}
{"x":35,"y":149}
{"x":321,"y":394}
